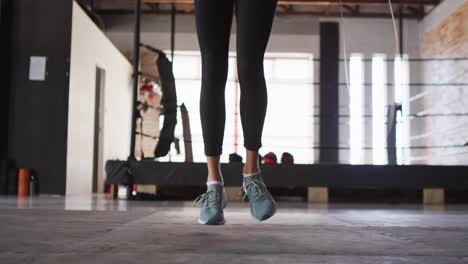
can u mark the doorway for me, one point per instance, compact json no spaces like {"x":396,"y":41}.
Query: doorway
{"x":98,"y":170}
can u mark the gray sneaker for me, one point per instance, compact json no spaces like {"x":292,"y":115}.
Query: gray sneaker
{"x":211,"y":204}
{"x":262,"y":204}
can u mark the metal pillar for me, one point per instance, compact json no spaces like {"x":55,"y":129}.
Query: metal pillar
{"x":173,"y":15}
{"x":329,"y":93}
{"x":136,"y":64}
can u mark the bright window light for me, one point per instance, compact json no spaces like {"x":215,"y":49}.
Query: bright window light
{"x":187,"y":66}
{"x":356,"y":109}
{"x":398,"y":75}
{"x":401,"y":75}
{"x":379,"y":102}
{"x":292,"y":69}
{"x":290,"y":86}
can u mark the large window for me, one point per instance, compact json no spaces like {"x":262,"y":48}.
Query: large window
{"x":401,"y":88}
{"x":290,"y":119}
{"x":356,"y":109}
{"x":379,"y":109}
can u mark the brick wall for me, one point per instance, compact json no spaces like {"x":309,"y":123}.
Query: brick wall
{"x":447,"y":39}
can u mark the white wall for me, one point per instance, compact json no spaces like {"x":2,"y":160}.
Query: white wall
{"x":91,"y":48}
{"x":288,"y":35}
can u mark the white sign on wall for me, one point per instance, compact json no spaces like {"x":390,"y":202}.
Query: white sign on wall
{"x":37,"y":68}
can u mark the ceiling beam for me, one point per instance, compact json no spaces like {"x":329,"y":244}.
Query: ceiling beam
{"x":289,"y":13}
{"x":320,"y":2}
{"x":413,"y":9}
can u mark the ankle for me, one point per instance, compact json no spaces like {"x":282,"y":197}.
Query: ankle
{"x":250,"y":171}
{"x":211,"y":182}
{"x":215,"y":177}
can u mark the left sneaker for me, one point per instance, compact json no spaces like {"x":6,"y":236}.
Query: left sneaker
{"x":262,"y":204}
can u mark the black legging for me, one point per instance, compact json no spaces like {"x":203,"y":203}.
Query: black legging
{"x":213,"y":22}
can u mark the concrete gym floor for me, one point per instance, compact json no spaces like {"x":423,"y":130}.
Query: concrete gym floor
{"x":101,"y":230}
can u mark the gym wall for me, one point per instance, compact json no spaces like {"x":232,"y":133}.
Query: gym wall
{"x":90,"y":48}
{"x":5,"y":51}
{"x":52,"y":121}
{"x":39,"y":109}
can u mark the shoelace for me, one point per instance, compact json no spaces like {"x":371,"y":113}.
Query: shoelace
{"x":209,"y":199}
{"x":258,"y":190}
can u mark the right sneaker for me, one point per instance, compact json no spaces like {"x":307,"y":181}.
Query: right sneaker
{"x":211,"y":204}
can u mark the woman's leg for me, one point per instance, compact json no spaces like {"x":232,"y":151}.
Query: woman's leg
{"x":214,"y":169}
{"x":251,"y":162}
{"x":254,"y":22}
{"x":213,"y":24}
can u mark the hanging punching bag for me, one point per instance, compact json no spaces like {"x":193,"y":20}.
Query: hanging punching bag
{"x":168,"y":103}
